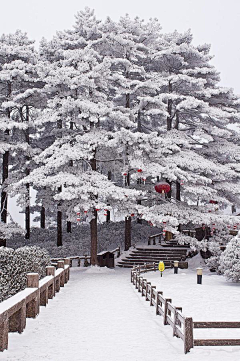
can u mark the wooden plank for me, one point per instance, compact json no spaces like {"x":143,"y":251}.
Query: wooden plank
{"x":160,"y":310}
{"x":188,"y":334}
{"x":179,"y":333}
{"x":217,"y":342}
{"x":217,"y":324}
{"x":169,"y":321}
{"x":161,"y":299}
{"x":180,"y":317}
{"x":155,"y":292}
{"x":167,"y":301}
{"x":171,"y":307}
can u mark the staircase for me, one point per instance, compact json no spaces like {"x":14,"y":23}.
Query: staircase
{"x":141,"y":255}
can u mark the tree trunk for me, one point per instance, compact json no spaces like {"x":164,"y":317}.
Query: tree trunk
{"x":93,"y":223}
{"x":27,"y":172}
{"x":177,"y":120}
{"x":178,"y":198}
{"x":5,"y":166}
{"x":169,"y":194}
{"x":108,"y":212}
{"x":127,"y":183}
{"x":69,"y":224}
{"x":127,"y":233}
{"x":139,"y":123}
{"x":69,"y":227}
{"x":59,"y":228}
{"x":169,"y":118}
{"x":42,"y":220}
{"x":178,"y":191}
{"x":27,"y":209}
{"x":93,"y":227}
{"x":59,"y":212}
{"x":4,"y":197}
{"x":139,"y":220}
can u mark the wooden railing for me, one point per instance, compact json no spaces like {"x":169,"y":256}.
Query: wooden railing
{"x":155,"y":238}
{"x":182,"y":326}
{"x":82,"y":260}
{"x":79,"y":260}
{"x":26,"y":303}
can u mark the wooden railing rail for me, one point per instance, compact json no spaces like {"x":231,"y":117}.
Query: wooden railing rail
{"x":117,"y":251}
{"x":72,"y":258}
{"x":154,"y":238}
{"x":82,"y":260}
{"x":26,"y":303}
{"x":182,"y":326}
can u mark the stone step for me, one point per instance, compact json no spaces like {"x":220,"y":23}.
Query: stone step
{"x":152,"y":259}
{"x":131,"y":264}
{"x":156,"y":253}
{"x":138,"y":249}
{"x":140,"y":255}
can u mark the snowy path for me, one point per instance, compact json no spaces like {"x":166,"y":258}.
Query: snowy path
{"x":99,"y":316}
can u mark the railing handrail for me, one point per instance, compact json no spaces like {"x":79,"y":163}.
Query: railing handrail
{"x":85,"y":257}
{"x":182,"y":326}
{"x":26,"y":303}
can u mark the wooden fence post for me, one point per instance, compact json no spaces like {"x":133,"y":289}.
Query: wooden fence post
{"x":151,"y":295}
{"x":33,"y":306}
{"x":166,"y":310}
{"x":4,"y":331}
{"x":188,"y":334}
{"x":44,"y":297}
{"x":139,"y":284}
{"x":50,"y":271}
{"x":60,"y":264}
{"x":144,"y":279}
{"x":148,"y":284}
{"x":134,"y":274}
{"x":17,"y":322}
{"x":67,"y":270}
{"x":158,"y":301}
{"x":137,"y":281}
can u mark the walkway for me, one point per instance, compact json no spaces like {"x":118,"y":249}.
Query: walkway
{"x":99,"y":316}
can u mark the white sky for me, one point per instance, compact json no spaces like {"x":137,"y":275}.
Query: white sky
{"x":212,"y":21}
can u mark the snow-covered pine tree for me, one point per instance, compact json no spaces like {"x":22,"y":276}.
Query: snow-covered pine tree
{"x":128,"y":43}
{"x":181,"y":73}
{"x":230,"y":259}
{"x":216,"y":245}
{"x":19,"y":93}
{"x":78,"y":83}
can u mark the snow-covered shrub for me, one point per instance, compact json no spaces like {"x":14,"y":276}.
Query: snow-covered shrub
{"x":15,"y":264}
{"x":77,"y":243}
{"x":219,"y":240}
{"x":192,"y":241}
{"x":230,"y":259}
{"x":8,"y":230}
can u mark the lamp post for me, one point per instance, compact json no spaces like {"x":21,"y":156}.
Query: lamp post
{"x":175,"y":267}
{"x":199,"y":276}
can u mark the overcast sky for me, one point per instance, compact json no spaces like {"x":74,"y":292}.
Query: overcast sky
{"x":216,"y":22}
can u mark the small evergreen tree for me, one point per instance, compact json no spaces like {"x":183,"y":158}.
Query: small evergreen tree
{"x":230,"y":259}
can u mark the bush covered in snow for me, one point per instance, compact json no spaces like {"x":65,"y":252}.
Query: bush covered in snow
{"x":215,"y":245}
{"x":77,"y":243}
{"x":15,"y":264}
{"x":230,"y":259}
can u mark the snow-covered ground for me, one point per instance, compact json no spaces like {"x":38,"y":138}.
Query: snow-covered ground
{"x":99,"y":315}
{"x":214,"y":300}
